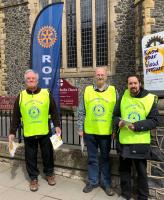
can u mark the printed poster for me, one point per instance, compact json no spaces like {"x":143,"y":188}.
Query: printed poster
{"x":153,"y":61}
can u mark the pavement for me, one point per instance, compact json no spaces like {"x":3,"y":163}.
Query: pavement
{"x":14,"y":185}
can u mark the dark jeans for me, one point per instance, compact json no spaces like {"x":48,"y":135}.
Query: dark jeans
{"x":93,"y":142}
{"x":125,"y":177}
{"x":31,"y":150}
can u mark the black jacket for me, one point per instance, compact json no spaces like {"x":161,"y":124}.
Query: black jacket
{"x":151,"y":122}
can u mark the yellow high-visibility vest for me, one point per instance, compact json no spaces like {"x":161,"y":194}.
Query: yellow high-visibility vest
{"x":99,"y":108}
{"x":133,"y":110}
{"x":35,"y":112}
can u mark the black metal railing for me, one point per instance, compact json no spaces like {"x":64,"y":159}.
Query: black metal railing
{"x":5,"y":121}
{"x":68,"y":124}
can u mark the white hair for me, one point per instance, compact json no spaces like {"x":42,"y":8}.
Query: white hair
{"x":28,"y":71}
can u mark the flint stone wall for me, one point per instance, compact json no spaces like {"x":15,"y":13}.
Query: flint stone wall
{"x":17,"y":43}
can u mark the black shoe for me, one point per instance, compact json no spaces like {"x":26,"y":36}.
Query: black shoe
{"x":109,"y":191}
{"x":88,"y":188}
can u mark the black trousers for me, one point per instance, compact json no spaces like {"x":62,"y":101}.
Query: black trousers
{"x":125,"y":178}
{"x":31,"y":151}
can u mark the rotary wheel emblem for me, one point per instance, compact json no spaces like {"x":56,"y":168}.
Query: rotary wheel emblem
{"x":34,"y":112}
{"x":99,"y":110}
{"x":47,"y":36}
{"x":134,"y":117}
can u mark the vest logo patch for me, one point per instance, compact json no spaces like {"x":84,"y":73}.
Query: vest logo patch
{"x":134,"y":117}
{"x":34,"y":112}
{"x":99,"y":110}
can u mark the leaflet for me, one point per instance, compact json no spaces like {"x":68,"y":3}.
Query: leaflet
{"x":12,"y":148}
{"x":56,"y":141}
{"x":82,"y":143}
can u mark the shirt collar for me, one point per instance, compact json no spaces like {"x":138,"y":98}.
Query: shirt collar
{"x":96,"y":88}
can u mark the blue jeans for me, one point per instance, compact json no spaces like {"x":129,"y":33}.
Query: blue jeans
{"x":96,"y":169}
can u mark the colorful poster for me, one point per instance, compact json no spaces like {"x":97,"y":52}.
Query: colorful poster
{"x":153,"y":61}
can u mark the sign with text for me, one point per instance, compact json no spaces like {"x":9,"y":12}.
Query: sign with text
{"x":68,"y":94}
{"x":153,"y":61}
{"x":7,"y":103}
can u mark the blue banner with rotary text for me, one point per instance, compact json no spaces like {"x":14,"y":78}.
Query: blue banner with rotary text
{"x":45,"y":48}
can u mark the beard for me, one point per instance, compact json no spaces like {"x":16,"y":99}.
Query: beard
{"x":100,"y":82}
{"x":134,"y":91}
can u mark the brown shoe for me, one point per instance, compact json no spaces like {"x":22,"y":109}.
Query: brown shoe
{"x":51,"y":180}
{"x":34,"y":185}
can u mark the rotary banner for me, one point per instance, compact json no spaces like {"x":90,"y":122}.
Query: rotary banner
{"x":153,"y":62}
{"x":45,"y":47}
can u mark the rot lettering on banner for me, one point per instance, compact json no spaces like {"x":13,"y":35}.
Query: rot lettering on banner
{"x":7,"y":103}
{"x":68,"y":94}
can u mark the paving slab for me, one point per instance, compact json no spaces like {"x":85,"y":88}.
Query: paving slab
{"x":14,"y":194}
{"x":2,"y":189}
{"x":14,"y":185}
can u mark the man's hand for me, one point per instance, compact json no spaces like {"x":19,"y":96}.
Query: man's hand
{"x":81,"y":133}
{"x":11,"y":138}
{"x":121,"y":124}
{"x":58,"y":131}
{"x":131,"y":127}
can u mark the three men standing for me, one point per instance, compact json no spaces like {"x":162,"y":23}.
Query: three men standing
{"x":135,"y":115}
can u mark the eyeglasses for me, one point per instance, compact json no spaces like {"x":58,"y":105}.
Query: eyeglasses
{"x":100,"y":75}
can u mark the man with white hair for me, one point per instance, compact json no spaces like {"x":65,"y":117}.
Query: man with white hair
{"x":34,"y":107}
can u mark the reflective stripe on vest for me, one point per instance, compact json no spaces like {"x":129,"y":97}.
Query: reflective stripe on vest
{"x":34,"y":110}
{"x":99,"y":108}
{"x":133,"y":110}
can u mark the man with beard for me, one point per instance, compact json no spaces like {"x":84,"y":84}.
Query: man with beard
{"x":95,"y":124}
{"x":135,"y":115}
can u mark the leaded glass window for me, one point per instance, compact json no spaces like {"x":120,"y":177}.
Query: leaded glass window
{"x":86,"y":32}
{"x":101,"y":33}
{"x":71,"y":34}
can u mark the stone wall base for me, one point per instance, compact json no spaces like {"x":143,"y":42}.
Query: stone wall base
{"x":69,"y":162}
